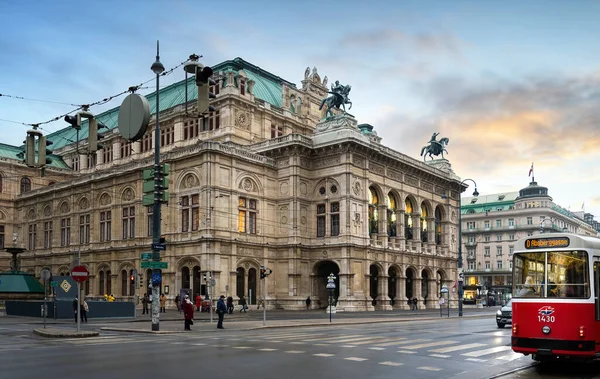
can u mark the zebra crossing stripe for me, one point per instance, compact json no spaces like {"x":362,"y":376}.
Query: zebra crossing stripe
{"x":405,"y":342}
{"x":429,"y":368}
{"x":332,"y":338}
{"x":267,"y":349}
{"x":430,"y":344}
{"x":294,"y":351}
{"x":356,"y":359}
{"x":439,"y":356}
{"x":388,"y":363}
{"x":457,"y":348}
{"x":511,"y":357}
{"x":476,"y":360}
{"x":324,"y":355}
{"x":368,"y":342}
{"x":480,"y":353}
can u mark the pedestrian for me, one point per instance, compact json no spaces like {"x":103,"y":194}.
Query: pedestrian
{"x":415,"y":303}
{"x":221,"y":309}
{"x":177,"y":301}
{"x":75,"y":308}
{"x":188,"y":312}
{"x":145,"y":304}
{"x":243,"y":304}
{"x":163,"y":302}
{"x":230,"y":305}
{"x":260,"y":302}
{"x":198,"y":302}
{"x":84,"y":310}
{"x":308,"y":303}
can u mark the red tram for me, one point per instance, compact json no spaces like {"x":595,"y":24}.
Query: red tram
{"x":556,"y":287}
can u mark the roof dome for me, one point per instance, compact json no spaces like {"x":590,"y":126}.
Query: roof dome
{"x":533,"y":190}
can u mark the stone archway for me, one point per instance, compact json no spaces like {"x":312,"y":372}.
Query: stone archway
{"x":410,"y":283}
{"x":425,"y":295}
{"x":320,"y":294}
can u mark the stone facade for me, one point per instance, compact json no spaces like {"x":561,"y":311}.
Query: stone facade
{"x":262,"y":181}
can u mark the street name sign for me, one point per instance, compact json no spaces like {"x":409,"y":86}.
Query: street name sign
{"x":146,"y":256}
{"x":160,"y":265}
{"x":159,"y":246}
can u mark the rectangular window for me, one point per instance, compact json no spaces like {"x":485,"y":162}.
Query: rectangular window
{"x":321,"y":220}
{"x":150,"y":220}
{"x":511,"y":250}
{"x":190,"y":212}
{"x":32,"y":236}
{"x":276,"y":130}
{"x":65,"y":231}
{"x":552,"y":274}
{"x":511,"y":222}
{"x":486,"y":238}
{"x":247,"y":215}
{"x":167,"y":136}
{"x":498,"y":237}
{"x":511,"y":236}
{"x":486,"y":251}
{"x":190,"y":129}
{"x":212,"y":122}
{"x":471,"y":225}
{"x":126,"y":148}
{"x":498,"y":223}
{"x":216,"y":88}
{"x":471,"y":239}
{"x":499,"y":264}
{"x":471,"y":265}
{"x":128,"y":222}
{"x":75,"y":165}
{"x":147,"y":142}
{"x":486,"y":224}
{"x":498,"y":250}
{"x":84,"y":229}
{"x":91,"y":161}
{"x":48,"y":234}
{"x":1,"y":237}
{"x":487,"y":265}
{"x":107,"y":153}
{"x":335,"y":219}
{"x":529,"y":220}
{"x":242,"y":86}
{"x":105,"y":226}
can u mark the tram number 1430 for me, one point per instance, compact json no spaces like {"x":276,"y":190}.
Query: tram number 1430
{"x":546,"y":318}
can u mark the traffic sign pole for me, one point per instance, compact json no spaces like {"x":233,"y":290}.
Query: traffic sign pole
{"x":78,"y":305}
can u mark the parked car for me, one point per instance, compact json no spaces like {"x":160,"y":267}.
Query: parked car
{"x":504,"y":315}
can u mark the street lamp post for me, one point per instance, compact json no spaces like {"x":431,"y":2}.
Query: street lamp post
{"x":460,"y":258}
{"x":158,"y":68}
{"x":330,"y":286}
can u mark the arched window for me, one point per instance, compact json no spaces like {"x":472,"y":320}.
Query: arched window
{"x":373,"y":216}
{"x":124,"y":279}
{"x":25,"y":184}
{"x":424,"y":216}
{"x":100,"y":283}
{"x":438,"y":226}
{"x":391,"y":216}
{"x":408,"y":224}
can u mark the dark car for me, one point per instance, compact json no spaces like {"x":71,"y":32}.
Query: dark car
{"x":504,"y":315}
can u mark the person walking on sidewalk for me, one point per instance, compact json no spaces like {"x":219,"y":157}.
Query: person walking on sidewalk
{"x":188,"y":312}
{"x":221,"y":309}
{"x":145,"y":301}
{"x":163,"y":302}
{"x":243,"y":304}
{"x":84,"y":310}
{"x":308,"y":303}
{"x":177,"y":301}
{"x":415,"y":303}
{"x":75,"y":308}
{"x":230,"y":305}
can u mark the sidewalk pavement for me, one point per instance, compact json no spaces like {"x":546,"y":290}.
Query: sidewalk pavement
{"x":172,"y":321}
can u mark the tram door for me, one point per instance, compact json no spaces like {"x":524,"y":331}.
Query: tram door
{"x":597,"y":287}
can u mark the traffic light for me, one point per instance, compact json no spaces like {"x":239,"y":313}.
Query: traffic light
{"x":94,"y":136}
{"x":30,"y":149}
{"x":43,"y":152}
{"x":263,"y":272}
{"x":156,"y":191}
{"x":132,"y":278}
{"x":203,"y":81}
{"x":35,"y":154}
{"x":75,"y":121}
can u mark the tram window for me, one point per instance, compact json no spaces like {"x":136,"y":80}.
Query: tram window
{"x":566,"y":274}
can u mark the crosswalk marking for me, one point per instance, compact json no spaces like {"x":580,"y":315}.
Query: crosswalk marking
{"x":439,"y":356}
{"x":356,"y":359}
{"x":430,"y":344}
{"x":511,"y":357}
{"x":476,"y":360}
{"x":376,"y":348}
{"x":324,"y":355}
{"x":401,"y":342}
{"x":429,"y":368}
{"x":294,"y":351}
{"x":493,"y":350}
{"x":347,"y":346}
{"x":406,"y":352}
{"x":457,"y":348}
{"x":297,"y":343}
{"x":267,"y":349}
{"x":198,"y":344}
{"x":353,"y":340}
{"x":388,"y":363}
{"x":242,"y":347}
{"x":333,"y":338}
{"x":321,"y":344}
{"x":368,"y":342}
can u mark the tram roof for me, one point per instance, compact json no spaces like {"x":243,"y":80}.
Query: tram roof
{"x":576,"y":241}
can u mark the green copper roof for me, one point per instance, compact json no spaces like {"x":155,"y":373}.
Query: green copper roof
{"x":491,"y":202}
{"x":267,"y":87}
{"x":19,"y":282}
{"x":8,"y":151}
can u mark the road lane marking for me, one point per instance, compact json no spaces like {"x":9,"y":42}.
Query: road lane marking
{"x":324,"y":355}
{"x":406,"y":352}
{"x":430,"y":344}
{"x":429,"y":368}
{"x":294,"y":351}
{"x":369,"y":342}
{"x":493,"y":350}
{"x":198,"y":344}
{"x":377,"y":348}
{"x":297,"y":343}
{"x":456,"y":348}
{"x":439,"y":356}
{"x":242,"y":347}
{"x":267,"y":349}
{"x":333,"y":338}
{"x":351,"y":340}
{"x":476,"y":360}
{"x":356,"y":359}
{"x":511,"y":357}
{"x":388,"y":363}
{"x":347,"y":346}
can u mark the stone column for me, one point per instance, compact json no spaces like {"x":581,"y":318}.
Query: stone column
{"x":383,"y":223}
{"x":417,"y":293}
{"x":383,"y":300}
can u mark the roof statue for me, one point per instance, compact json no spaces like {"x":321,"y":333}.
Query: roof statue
{"x":435,"y":147}
{"x":339,"y":98}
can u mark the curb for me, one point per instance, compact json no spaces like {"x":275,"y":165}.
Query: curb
{"x":65,"y":334}
{"x":111,"y":329}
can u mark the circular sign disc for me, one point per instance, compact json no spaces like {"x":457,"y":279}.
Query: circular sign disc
{"x":134,"y":116}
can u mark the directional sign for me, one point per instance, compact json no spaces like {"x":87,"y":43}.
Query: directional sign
{"x":80,"y":274}
{"x":159,"y":246}
{"x":146,"y":256}
{"x":161,"y":265}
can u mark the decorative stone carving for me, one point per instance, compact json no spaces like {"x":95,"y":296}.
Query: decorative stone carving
{"x":248,"y":185}
{"x":284,"y":220}
{"x":303,"y":188}
{"x":377,"y":169}
{"x":247,"y":265}
{"x":84,"y":203}
{"x":190,"y":181}
{"x":324,"y":253}
{"x":330,"y":161}
{"x":128,"y":194}
{"x":357,"y":188}
{"x":47,"y":211}
{"x":31,"y":215}
{"x":283,"y":163}
{"x":2,"y":217}
{"x":412,"y":180}
{"x":395,"y":175}
{"x":284,"y":188}
{"x":242,"y":120}
{"x":64,"y":207}
{"x":105,"y":199}
{"x":427,"y":186}
{"x":360,"y":162}
{"x":304,"y":163}
{"x":303,"y":220}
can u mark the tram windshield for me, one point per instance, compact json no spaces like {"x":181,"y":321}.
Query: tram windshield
{"x":551,"y":274}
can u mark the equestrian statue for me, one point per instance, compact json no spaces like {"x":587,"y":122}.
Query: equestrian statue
{"x":435,"y":147}
{"x":339,"y":98}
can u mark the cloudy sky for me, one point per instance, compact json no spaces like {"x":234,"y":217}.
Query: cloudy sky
{"x":510,"y":83}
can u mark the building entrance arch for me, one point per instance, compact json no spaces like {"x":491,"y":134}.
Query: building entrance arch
{"x":320,"y":293}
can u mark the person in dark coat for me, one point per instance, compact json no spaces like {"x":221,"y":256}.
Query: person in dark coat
{"x":75,"y":308}
{"x":415,"y":303}
{"x":308,"y":303}
{"x":145,"y":301}
{"x":177,"y":301}
{"x":221,"y":309}
{"x":243,"y":304}
{"x":230,"y":305}
{"x":188,"y":312}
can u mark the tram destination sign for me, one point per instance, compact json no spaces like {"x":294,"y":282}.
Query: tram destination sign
{"x":543,"y":243}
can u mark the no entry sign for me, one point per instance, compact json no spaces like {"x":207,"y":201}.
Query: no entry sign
{"x":80,"y":274}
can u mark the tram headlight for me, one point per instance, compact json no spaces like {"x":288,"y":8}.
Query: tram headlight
{"x":581,"y":331}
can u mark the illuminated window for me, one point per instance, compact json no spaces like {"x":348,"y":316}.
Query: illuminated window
{"x":373,"y":211}
{"x":247,"y":215}
{"x":408,"y":223}
{"x":391,"y":216}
